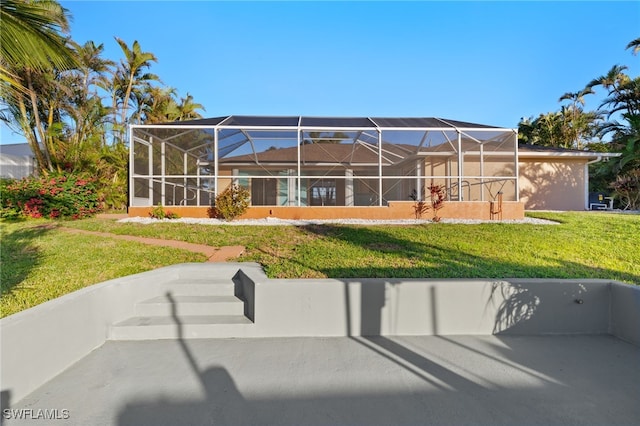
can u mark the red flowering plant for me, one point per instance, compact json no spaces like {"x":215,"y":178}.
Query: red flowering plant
{"x":61,"y":195}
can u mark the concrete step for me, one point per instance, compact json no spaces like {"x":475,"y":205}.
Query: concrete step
{"x":200,"y":287}
{"x":183,"y":327}
{"x":186,"y":305}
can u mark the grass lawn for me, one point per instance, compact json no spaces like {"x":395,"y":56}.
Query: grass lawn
{"x":39,"y":263}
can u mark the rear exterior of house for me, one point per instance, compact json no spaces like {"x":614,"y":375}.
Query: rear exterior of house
{"x":324,"y":168}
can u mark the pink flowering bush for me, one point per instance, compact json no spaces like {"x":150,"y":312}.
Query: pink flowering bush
{"x":53,"y":196}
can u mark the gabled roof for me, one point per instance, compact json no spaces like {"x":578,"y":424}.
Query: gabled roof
{"x":329,"y":122}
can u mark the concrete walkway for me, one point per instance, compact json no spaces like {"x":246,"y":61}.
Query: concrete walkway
{"x":418,"y":380}
{"x":213,"y":254}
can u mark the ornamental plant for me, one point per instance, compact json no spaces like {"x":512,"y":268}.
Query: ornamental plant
{"x":54,"y":196}
{"x":438,"y":194}
{"x":420,"y":207}
{"x":160,"y":213}
{"x":232,"y":202}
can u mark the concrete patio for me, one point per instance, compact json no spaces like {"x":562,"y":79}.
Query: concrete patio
{"x":411,"y":380}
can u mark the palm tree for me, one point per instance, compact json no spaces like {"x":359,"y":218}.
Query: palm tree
{"x":187,"y":109}
{"x":87,"y":114}
{"x":155,"y":105}
{"x":578,"y":125}
{"x":31,"y":37}
{"x":129,"y":80}
{"x":33,"y":51}
{"x":634,"y":45}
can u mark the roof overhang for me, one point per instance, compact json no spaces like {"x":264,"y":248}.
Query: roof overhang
{"x":577,"y":155}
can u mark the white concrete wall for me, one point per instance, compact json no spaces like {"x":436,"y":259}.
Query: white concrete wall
{"x":430,"y":307}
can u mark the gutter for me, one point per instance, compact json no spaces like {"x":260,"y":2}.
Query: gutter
{"x":600,"y":157}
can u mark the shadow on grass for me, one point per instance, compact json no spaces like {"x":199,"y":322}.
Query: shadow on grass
{"x":19,"y":254}
{"x":438,"y":261}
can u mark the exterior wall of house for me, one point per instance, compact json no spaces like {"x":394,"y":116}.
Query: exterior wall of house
{"x":511,"y":210}
{"x":16,"y":161}
{"x":552,"y":184}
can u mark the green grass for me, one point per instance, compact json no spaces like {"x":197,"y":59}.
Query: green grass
{"x":582,"y":245}
{"x":39,"y":262}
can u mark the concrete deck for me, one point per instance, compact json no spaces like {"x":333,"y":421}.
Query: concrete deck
{"x":479,"y":380}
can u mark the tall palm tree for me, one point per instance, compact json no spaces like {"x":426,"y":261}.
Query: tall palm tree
{"x":31,"y":37}
{"x":130,"y":76}
{"x":578,"y":125}
{"x":87,"y":114}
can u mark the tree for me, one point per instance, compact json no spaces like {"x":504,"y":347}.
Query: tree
{"x":187,"y":109}
{"x":51,"y":91}
{"x":31,"y":36}
{"x":33,"y":54}
{"x":621,"y":107}
{"x":634,"y":45}
{"x":570,"y":127}
{"x":326,"y":137}
{"x":129,"y":81}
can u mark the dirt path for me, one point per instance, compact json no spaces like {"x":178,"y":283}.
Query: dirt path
{"x":214,"y":254}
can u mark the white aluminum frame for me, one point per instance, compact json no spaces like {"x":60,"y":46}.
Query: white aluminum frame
{"x":299,"y":129}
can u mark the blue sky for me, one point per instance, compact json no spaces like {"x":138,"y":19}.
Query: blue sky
{"x":485,"y":62}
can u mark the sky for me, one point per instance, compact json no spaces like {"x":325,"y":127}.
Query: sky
{"x":482,"y":62}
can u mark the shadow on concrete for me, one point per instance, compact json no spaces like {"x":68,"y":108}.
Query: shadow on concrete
{"x":5,"y":403}
{"x":409,"y":381}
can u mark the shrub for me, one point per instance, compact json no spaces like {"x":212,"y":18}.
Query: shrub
{"x":232,"y":202}
{"x":627,"y":188}
{"x":438,"y":194}
{"x":420,"y":207}
{"x":56,"y":195}
{"x":10,"y":211}
{"x":159,"y":213}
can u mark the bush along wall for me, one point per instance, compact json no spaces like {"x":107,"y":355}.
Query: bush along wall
{"x":61,"y":195}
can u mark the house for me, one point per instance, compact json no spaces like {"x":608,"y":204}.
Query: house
{"x":16,"y":161}
{"x":349,"y":167}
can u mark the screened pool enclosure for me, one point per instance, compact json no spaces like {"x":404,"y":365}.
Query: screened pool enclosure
{"x":313,"y":161}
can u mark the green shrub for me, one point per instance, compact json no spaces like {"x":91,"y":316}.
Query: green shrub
{"x":232,"y":202}
{"x":8,"y":212}
{"x":627,"y":189}
{"x":57,"y":195}
{"x":159,"y":213}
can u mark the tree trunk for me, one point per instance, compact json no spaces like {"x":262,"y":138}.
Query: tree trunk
{"x":36,"y":117}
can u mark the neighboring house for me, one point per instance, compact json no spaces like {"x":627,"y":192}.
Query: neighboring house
{"x":16,"y":161}
{"x":323,"y":167}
